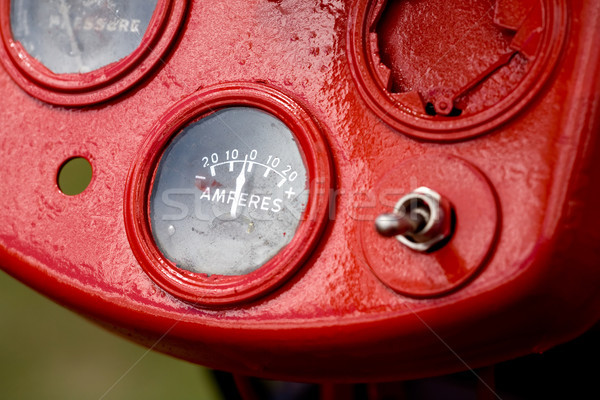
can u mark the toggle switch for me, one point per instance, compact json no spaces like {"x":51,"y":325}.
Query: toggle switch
{"x":421,"y":220}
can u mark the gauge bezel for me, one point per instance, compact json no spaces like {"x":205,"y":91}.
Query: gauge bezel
{"x":74,"y":89}
{"x":363,"y":61}
{"x":221,"y":290}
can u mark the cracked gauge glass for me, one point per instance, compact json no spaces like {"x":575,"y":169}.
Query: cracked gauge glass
{"x":229,"y":192}
{"x":78,"y":36}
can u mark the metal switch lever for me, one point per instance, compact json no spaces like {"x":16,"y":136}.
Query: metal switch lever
{"x":421,"y":220}
{"x":394,"y":224}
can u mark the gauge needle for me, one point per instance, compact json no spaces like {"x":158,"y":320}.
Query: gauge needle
{"x":64,"y":10}
{"x":239,"y":184}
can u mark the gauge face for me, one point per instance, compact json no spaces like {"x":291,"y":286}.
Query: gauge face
{"x":229,"y":192}
{"x":78,"y":36}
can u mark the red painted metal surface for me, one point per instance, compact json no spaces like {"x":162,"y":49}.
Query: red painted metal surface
{"x":333,"y":319}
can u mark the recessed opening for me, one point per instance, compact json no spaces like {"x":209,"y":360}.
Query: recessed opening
{"x":456,"y":112}
{"x":74,"y":176}
{"x":430,"y":110}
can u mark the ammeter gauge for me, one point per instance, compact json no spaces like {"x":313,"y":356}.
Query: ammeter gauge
{"x":77,"y":36}
{"x":229,"y":192}
{"x":229,"y":195}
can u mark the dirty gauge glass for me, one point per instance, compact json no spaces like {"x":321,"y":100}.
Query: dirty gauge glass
{"x":78,"y":36}
{"x":229,"y":192}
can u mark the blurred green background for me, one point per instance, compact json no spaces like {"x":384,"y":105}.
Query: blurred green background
{"x":48,"y":352}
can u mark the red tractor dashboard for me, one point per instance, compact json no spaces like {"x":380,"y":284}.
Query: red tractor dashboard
{"x":319,"y":191}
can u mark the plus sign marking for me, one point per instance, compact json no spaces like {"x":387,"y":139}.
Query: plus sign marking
{"x":290,"y":192}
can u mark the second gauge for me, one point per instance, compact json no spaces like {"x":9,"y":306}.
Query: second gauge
{"x":70,"y":36}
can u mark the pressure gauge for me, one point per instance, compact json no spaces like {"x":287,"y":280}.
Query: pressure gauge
{"x":229,"y":194}
{"x":77,"y":36}
{"x":80,"y":52}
